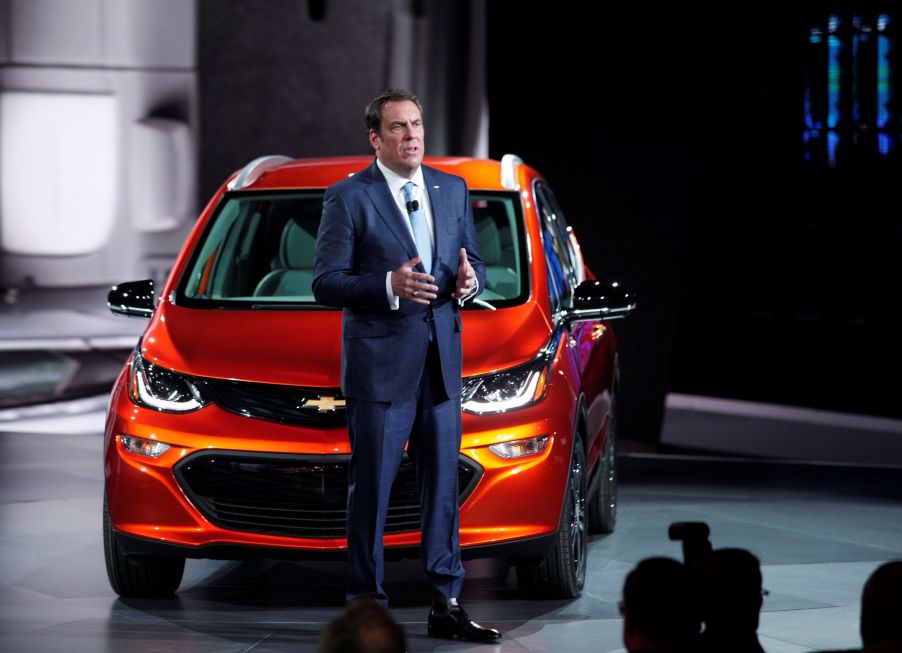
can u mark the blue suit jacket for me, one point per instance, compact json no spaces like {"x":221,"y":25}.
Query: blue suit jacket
{"x":363,"y":236}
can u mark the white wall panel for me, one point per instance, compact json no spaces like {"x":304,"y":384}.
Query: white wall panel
{"x":58,"y":172}
{"x":135,"y":163}
{"x":163,"y":176}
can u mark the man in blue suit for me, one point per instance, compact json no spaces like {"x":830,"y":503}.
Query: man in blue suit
{"x":397,"y":251}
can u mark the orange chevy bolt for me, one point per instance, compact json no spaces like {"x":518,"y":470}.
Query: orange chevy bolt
{"x":226,"y":435}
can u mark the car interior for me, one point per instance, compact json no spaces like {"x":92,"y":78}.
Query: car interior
{"x":261,"y":248}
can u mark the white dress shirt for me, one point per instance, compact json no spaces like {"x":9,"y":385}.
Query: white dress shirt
{"x":420,"y":194}
{"x":395,"y":186}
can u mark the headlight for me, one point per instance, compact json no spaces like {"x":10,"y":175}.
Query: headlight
{"x":516,"y":387}
{"x":143,"y":447}
{"x":520,"y":448}
{"x":156,"y":387}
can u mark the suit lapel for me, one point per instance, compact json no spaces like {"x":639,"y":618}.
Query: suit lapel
{"x":388,"y":210}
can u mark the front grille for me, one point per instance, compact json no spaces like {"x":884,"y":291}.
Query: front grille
{"x":280,"y":403}
{"x":297,"y":496}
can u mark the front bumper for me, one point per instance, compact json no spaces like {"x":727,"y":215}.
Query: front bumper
{"x":512,"y":508}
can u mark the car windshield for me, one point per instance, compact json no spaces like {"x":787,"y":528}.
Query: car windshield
{"x":258,"y":251}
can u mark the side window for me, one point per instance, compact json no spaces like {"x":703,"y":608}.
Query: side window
{"x":568,"y":238}
{"x":563,"y":278}
{"x":555,"y":254}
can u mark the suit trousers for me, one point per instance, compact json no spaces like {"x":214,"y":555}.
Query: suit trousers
{"x":378,"y":431}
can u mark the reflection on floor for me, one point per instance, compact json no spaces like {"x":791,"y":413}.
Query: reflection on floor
{"x":61,"y":343}
{"x":818,"y":530}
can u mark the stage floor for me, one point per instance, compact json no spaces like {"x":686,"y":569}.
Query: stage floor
{"x":819,"y":531}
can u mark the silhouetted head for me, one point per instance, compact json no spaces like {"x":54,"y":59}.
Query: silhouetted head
{"x":659,"y":607}
{"x":730,"y":587}
{"x":881,"y":605}
{"x":364,"y":627}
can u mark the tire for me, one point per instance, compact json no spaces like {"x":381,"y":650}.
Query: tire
{"x":561,"y":574}
{"x":603,"y":502}
{"x":138,"y":576}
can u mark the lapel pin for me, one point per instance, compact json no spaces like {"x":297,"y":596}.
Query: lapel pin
{"x":436,"y":187}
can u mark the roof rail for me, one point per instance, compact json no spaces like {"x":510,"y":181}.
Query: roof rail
{"x":509,"y":163}
{"x":255,"y":169}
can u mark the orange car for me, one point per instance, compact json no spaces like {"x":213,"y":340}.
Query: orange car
{"x":226,"y":433}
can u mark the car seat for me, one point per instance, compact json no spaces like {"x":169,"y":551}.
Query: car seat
{"x":498,"y":277}
{"x":293,"y":273}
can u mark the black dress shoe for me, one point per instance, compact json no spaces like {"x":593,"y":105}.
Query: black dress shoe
{"x":448,"y":620}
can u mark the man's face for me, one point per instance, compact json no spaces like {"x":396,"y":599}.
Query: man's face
{"x":399,"y":141}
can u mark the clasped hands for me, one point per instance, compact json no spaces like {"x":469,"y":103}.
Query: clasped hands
{"x":414,"y":286}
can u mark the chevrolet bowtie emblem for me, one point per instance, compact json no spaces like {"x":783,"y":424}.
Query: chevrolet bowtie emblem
{"x":325,"y":404}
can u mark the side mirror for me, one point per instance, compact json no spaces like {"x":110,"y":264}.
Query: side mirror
{"x":600,"y":300}
{"x":132,"y":298}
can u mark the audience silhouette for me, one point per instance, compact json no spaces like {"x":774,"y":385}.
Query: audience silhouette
{"x":729,"y":585}
{"x":665,"y":603}
{"x":881,"y":610}
{"x":659,"y":608}
{"x":364,"y":627}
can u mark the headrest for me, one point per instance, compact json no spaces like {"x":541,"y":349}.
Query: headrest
{"x":297,"y":249}
{"x":489,"y":241}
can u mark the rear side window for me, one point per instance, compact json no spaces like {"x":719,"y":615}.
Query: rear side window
{"x":562,"y":254}
{"x":557,"y":259}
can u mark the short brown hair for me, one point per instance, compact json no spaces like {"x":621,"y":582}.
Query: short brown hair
{"x":373,"y":114}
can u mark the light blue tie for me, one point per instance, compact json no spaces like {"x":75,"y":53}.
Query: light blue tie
{"x":421,"y":234}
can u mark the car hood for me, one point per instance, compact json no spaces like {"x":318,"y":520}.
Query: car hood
{"x":303,"y":347}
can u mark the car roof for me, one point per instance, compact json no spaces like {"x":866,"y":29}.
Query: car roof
{"x":278,"y":172}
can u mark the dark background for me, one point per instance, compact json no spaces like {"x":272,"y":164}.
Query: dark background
{"x":672,"y":135}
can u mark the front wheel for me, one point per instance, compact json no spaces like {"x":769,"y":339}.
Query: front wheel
{"x":561,"y":574}
{"x":138,"y":576}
